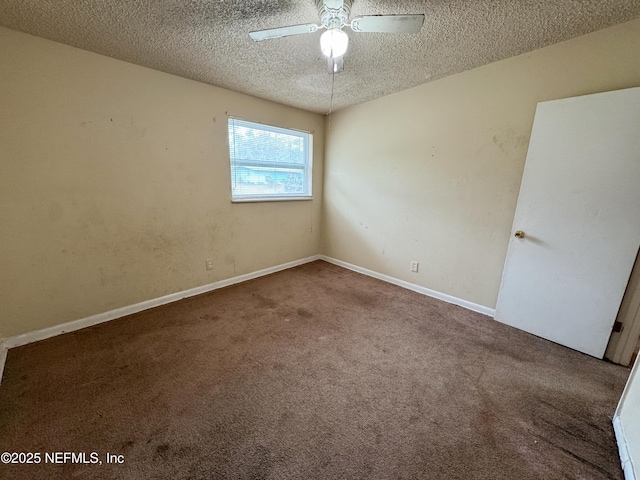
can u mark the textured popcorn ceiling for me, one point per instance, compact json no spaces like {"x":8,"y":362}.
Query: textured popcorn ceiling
{"x":208,"y":40}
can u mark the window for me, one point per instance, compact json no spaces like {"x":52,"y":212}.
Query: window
{"x":269,"y":163}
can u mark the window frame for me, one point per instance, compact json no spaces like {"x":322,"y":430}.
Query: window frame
{"x":307,"y":170}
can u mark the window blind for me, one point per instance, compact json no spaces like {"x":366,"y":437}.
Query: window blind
{"x":268,"y":162}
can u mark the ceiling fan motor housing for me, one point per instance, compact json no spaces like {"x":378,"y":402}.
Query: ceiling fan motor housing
{"x":334,"y":17}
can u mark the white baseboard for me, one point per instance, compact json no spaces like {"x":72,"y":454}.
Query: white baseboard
{"x":30,"y":337}
{"x":37,"y":335}
{"x":625,"y":460}
{"x":412,"y":286}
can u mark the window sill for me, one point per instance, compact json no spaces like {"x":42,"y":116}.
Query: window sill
{"x":269,"y":199}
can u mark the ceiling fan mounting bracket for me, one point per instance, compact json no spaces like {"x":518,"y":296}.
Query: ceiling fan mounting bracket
{"x":334,"y":17}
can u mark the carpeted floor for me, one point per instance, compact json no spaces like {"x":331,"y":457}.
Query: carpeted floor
{"x":311,"y":373}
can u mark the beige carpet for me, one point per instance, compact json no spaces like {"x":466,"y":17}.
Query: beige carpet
{"x":311,"y":373}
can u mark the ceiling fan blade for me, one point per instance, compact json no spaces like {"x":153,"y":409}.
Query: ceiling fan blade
{"x":333,"y":4}
{"x":336,"y":65}
{"x":260,"y":35}
{"x":388,"y":23}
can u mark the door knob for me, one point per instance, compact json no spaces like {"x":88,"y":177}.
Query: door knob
{"x":519,"y":234}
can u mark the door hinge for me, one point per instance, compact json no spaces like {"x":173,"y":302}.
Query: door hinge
{"x":618,"y":326}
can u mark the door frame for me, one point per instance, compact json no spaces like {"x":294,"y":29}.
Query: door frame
{"x":623,"y":345}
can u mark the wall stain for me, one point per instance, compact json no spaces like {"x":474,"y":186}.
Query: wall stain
{"x":509,"y":141}
{"x":55,"y":211}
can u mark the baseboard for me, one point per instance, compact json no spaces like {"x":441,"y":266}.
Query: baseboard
{"x":37,"y":335}
{"x":625,"y":460}
{"x":412,"y":286}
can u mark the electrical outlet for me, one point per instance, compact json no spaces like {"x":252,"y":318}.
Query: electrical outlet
{"x":414,"y":266}
{"x":209,"y":263}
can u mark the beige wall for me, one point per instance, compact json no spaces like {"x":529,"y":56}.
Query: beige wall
{"x":432,"y":174}
{"x":114,"y":186}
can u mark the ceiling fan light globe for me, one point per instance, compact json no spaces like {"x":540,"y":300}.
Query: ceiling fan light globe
{"x":334,"y":43}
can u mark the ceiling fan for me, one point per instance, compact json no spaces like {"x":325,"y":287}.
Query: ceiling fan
{"x":334,"y":16}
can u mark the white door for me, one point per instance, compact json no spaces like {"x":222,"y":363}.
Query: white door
{"x":579,"y":209}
